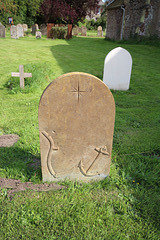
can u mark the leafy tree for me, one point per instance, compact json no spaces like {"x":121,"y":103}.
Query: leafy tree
{"x":7,"y":9}
{"x":67,"y":11}
{"x":22,"y":11}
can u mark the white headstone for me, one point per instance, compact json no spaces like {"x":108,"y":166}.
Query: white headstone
{"x":117,"y":69}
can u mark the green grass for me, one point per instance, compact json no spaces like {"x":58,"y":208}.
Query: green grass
{"x":126,"y":205}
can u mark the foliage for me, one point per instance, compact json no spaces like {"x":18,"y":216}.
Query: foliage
{"x":92,"y":24}
{"x":59,"y":32}
{"x":22,"y":11}
{"x":123,"y":206}
{"x":67,"y":11}
{"x":7,"y":8}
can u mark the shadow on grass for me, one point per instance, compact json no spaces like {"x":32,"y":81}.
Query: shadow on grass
{"x":82,"y":55}
{"x":19,"y":164}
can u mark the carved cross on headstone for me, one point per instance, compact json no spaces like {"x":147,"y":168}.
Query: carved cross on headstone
{"x":21,"y":75}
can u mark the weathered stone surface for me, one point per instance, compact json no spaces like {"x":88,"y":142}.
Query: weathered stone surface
{"x":76,"y":124}
{"x":38,"y":34}
{"x":20,"y":31}
{"x":84,"y":31}
{"x":13,"y":31}
{"x":43,"y":29}
{"x":2,"y":31}
{"x":33,"y":31}
{"x":37,"y":27}
{"x":99,"y":32}
{"x":140,"y":17}
{"x":75,"y":31}
{"x":117,"y":69}
{"x":25,"y":27}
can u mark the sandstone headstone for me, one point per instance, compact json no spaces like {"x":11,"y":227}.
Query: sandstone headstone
{"x":38,"y":34}
{"x":33,"y":31}
{"x":75,"y":31}
{"x":43,"y":29}
{"x":79,"y":30}
{"x":25,"y":27}
{"x":37,"y":28}
{"x":100,"y":32}
{"x":13,"y":31}
{"x":117,"y":69}
{"x":2,"y":31}
{"x":20,"y":30}
{"x":76,"y":124}
{"x":84,"y":31}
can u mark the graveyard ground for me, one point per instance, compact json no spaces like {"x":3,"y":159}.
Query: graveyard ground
{"x":126,"y":205}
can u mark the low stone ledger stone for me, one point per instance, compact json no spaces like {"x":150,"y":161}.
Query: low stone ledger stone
{"x":76,"y":124}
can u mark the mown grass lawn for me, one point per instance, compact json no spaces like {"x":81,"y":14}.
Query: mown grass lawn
{"x":125,"y":205}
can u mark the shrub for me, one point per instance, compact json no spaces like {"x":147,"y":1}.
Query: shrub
{"x":59,"y":32}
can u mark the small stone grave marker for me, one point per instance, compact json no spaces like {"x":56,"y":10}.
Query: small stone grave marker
{"x":76,"y":124}
{"x":84,"y":31}
{"x":100,"y":32}
{"x":43,"y":29}
{"x":20,"y":30}
{"x":75,"y":31}
{"x":38,"y":34}
{"x":36,"y":25}
{"x":21,"y":75}
{"x":25,"y":27}
{"x":34,"y":29}
{"x":117,"y":69}
{"x":2,"y":31}
{"x":13,"y":31}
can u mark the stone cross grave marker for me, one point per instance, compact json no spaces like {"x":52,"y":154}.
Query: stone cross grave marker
{"x":20,"y":30}
{"x":13,"y":31}
{"x":2,"y":31}
{"x":21,"y":75}
{"x":117,"y":69}
{"x":76,"y":124}
{"x":100,"y":31}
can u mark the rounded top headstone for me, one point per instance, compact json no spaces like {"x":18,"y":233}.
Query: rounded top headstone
{"x":76,"y":123}
{"x":117,"y":69}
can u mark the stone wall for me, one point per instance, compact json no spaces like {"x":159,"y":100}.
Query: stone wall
{"x":142,"y":17}
{"x":114,"y":23}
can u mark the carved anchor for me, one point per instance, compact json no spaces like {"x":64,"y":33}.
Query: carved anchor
{"x":52,"y":147}
{"x":102,"y":150}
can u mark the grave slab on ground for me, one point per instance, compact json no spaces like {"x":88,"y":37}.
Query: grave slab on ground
{"x":117,"y":69}
{"x":76,"y":124}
